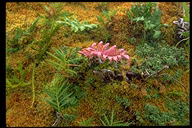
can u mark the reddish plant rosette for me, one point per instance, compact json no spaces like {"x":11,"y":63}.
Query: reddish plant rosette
{"x":102,"y":52}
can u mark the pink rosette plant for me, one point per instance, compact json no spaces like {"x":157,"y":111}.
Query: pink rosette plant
{"x":102,"y":52}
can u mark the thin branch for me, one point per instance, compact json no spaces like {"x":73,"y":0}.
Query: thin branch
{"x":156,"y":73}
{"x":33,"y":87}
{"x":173,"y":79}
{"x":59,"y":117}
{"x":181,"y":41}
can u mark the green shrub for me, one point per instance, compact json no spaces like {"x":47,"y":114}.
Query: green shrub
{"x":66,"y":58}
{"x":177,"y":114}
{"x":150,"y":16}
{"x":155,"y":58}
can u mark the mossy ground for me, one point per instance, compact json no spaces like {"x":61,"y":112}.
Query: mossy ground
{"x":101,"y":99}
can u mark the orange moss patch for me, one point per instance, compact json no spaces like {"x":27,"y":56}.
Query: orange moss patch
{"x":19,"y":16}
{"x":84,"y":44}
{"x":85,"y":111}
{"x":19,"y":114}
{"x":169,"y":10}
{"x":13,"y":60}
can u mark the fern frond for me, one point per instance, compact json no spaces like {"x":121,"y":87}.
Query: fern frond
{"x":53,"y":56}
{"x":33,"y":25}
{"x":60,"y":98}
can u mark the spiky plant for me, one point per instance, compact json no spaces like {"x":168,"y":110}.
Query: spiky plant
{"x":66,"y":59}
{"x":111,"y":122}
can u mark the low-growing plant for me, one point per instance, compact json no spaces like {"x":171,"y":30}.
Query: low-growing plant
{"x":108,"y":14}
{"x":141,"y":10}
{"x":183,"y":28}
{"x":176,"y":76}
{"x":66,"y":58}
{"x":76,"y":25}
{"x":54,"y":10}
{"x":110,"y":122}
{"x":153,"y":59}
{"x":62,"y":96}
{"x":186,"y":17}
{"x":131,"y":40}
{"x":87,"y":122}
{"x":12,"y":81}
{"x":43,"y":44}
{"x":102,"y":52}
{"x":106,"y":23}
{"x":151,"y":19}
{"x":125,"y":102}
{"x":177,"y":114}
{"x":52,"y":25}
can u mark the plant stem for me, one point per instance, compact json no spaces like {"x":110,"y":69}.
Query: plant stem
{"x":164,"y":67}
{"x":174,"y":79}
{"x":181,"y":41}
{"x":59,"y":117}
{"x":33,"y":87}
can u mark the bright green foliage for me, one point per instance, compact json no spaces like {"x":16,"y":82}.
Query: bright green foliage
{"x":66,"y":58}
{"x":76,"y":25}
{"x":155,"y":58}
{"x":13,"y":81}
{"x":123,"y":101}
{"x":61,"y":98}
{"x":141,"y":11}
{"x":110,"y":122}
{"x":151,"y":18}
{"x":177,"y":114}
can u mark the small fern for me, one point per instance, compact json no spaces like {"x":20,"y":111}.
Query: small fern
{"x":13,"y":81}
{"x":64,"y":62}
{"x":76,"y":25}
{"x":111,"y":122}
{"x":123,"y":101}
{"x":84,"y":122}
{"x":61,"y":98}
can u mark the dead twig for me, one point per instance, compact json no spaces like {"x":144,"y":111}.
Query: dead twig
{"x":59,"y":117}
{"x":156,"y":73}
{"x":173,"y":79}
